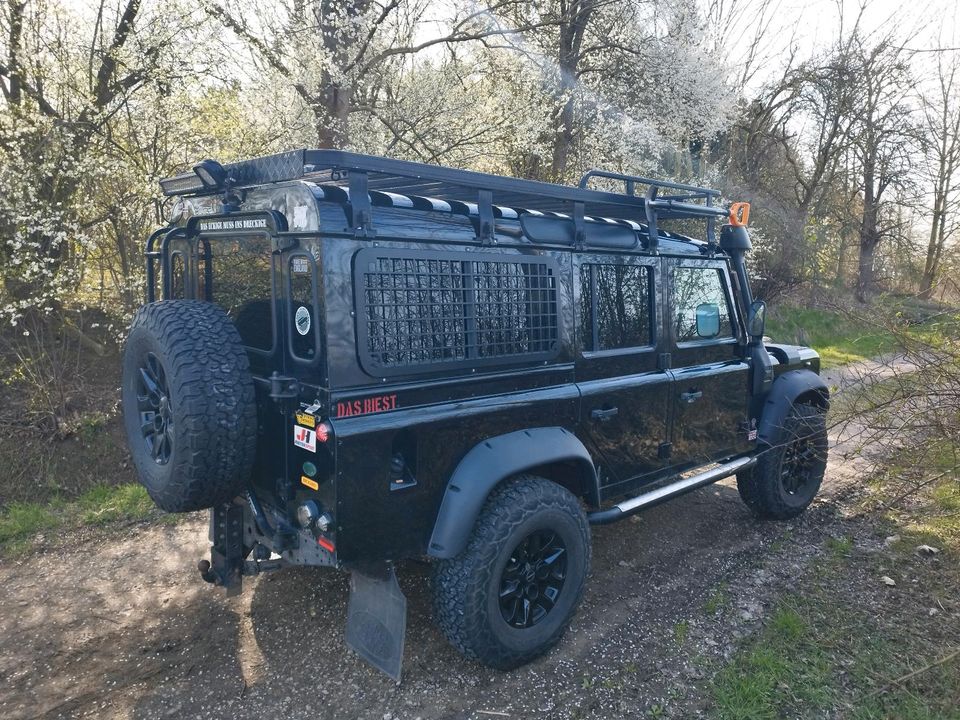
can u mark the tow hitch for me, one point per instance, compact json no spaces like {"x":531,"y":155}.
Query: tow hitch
{"x":227,"y":554}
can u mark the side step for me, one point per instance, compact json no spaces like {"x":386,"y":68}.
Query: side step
{"x":661,"y":494}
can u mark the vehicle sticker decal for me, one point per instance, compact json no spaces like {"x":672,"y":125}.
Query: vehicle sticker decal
{"x":239,"y":224}
{"x":305,"y":438}
{"x":305,"y":419}
{"x":312,"y":484}
{"x":302,"y":320}
{"x":365,"y":406}
{"x":300,"y":265}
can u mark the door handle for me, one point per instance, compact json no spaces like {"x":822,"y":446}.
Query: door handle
{"x":692,"y":396}
{"x":604,"y":415}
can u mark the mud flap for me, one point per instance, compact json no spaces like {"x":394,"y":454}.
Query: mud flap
{"x":377,"y":618}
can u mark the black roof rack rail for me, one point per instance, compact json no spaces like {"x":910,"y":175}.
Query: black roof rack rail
{"x":366,"y":172}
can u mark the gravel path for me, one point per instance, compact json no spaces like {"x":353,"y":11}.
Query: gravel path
{"x":120,"y":626}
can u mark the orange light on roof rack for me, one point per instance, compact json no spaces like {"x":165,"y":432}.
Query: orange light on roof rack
{"x":740,"y":214}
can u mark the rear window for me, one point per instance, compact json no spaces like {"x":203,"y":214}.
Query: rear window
{"x":242,"y":285}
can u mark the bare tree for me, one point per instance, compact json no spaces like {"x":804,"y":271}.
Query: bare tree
{"x":941,"y":119}
{"x":884,"y":141}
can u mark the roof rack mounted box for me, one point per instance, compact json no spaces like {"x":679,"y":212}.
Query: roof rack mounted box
{"x":403,"y":176}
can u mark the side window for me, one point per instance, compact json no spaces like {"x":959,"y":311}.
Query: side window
{"x":615,"y":306}
{"x":700,"y":305}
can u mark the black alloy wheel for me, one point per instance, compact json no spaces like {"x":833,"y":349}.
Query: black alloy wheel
{"x":156,"y":413}
{"x":533,"y":579}
{"x":787,"y":475}
{"x":509,"y":595}
{"x":797,"y":471}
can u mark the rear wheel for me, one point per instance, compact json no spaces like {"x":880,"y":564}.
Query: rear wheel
{"x":787,"y":477}
{"x":509,"y":596}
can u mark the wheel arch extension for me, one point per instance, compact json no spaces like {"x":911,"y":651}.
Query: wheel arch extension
{"x":791,"y":388}
{"x":551,"y":452}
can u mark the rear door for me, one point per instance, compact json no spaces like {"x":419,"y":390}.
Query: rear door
{"x":710,"y":391}
{"x":241,"y":270}
{"x":624,"y":405}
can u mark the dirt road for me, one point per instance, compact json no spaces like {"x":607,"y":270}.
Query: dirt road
{"x":120,"y":626}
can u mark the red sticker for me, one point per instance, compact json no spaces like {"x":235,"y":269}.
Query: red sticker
{"x":305,"y":438}
{"x":365,"y":406}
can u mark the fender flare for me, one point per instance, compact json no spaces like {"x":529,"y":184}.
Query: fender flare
{"x":784,"y":392}
{"x":492,"y":461}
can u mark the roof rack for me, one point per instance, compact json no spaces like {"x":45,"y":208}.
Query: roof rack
{"x":363,"y":173}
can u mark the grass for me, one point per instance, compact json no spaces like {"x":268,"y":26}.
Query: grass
{"x":819,"y":653}
{"x":839,"y":548}
{"x":843,"y":644}
{"x":20,"y":522}
{"x":838,"y":337}
{"x":718,"y":600}
{"x":106,"y":504}
{"x":843,"y":337}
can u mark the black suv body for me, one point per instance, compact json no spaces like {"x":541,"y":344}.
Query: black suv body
{"x":354,"y":360}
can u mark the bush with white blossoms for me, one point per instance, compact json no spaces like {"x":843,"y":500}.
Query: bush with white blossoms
{"x":42,"y":240}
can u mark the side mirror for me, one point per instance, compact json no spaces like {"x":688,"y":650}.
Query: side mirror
{"x":708,"y":320}
{"x":757,"y":320}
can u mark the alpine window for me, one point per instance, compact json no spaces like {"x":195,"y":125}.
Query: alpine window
{"x":616,"y":306}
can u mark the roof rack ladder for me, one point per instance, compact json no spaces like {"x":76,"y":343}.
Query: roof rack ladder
{"x":361,"y":216}
{"x":485,"y":228}
{"x":653,"y":234}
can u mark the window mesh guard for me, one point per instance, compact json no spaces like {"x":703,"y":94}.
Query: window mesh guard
{"x":453,"y":309}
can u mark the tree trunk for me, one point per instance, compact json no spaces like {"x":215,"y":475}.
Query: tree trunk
{"x":869,"y":234}
{"x":865,"y":279}
{"x":332,"y":114}
{"x":576,"y":17}
{"x":930,"y":265}
{"x":869,"y":239}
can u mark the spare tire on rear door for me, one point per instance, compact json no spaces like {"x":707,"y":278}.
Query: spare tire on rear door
{"x":188,"y":404}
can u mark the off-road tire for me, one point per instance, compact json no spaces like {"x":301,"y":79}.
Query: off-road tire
{"x":764,"y":487}
{"x":466,"y":588}
{"x":212,"y":428}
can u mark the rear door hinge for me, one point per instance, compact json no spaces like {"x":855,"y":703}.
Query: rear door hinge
{"x":283,"y":388}
{"x":665,"y":450}
{"x":664,"y":361}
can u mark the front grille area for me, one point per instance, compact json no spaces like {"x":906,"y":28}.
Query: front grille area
{"x":419,"y":310}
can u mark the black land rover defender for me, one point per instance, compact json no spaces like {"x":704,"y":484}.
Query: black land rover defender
{"x":354,"y":360}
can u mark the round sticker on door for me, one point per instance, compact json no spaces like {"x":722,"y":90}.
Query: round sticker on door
{"x":302,"y":320}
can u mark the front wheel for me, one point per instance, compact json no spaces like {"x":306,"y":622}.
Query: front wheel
{"x":787,"y":476}
{"x":509,"y":596}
